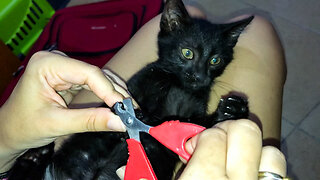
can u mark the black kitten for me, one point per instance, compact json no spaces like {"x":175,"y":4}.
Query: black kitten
{"x":192,"y":53}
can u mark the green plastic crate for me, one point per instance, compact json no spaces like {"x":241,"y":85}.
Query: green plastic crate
{"x":22,"y":21}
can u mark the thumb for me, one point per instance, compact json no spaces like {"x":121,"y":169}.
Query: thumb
{"x":190,"y":146}
{"x":84,"y":120}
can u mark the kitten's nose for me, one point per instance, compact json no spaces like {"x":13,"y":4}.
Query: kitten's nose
{"x":193,"y":77}
{"x":196,"y":77}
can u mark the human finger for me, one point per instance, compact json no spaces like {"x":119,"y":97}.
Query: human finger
{"x":83,"y":120}
{"x":190,"y":146}
{"x":59,"y":52}
{"x":209,"y":158}
{"x":272,"y":160}
{"x":116,"y":79}
{"x":68,"y":94}
{"x":119,"y":85}
{"x":74,"y":72}
{"x":244,"y":148}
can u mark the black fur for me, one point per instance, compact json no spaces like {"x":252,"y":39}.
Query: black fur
{"x":173,"y":87}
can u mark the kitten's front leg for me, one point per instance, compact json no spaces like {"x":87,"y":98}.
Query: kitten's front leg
{"x":232,"y":107}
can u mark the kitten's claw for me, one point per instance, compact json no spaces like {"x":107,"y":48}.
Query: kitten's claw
{"x":233,"y":107}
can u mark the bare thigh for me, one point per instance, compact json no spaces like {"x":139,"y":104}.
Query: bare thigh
{"x":257,"y":71}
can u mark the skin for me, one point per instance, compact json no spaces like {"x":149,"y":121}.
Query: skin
{"x":257,"y":72}
{"x":232,"y":150}
{"x":39,"y":114}
{"x":35,"y":114}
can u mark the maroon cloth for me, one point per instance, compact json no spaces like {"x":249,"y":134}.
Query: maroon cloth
{"x":92,"y":33}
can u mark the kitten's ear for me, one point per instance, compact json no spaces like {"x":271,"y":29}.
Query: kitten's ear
{"x":174,"y":16}
{"x":233,"y":30}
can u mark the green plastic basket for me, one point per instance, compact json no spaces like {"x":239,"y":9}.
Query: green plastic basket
{"x":22,"y":21}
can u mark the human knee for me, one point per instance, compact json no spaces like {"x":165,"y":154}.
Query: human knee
{"x":195,"y":12}
{"x":263,"y":23}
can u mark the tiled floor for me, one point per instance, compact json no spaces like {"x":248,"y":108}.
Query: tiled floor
{"x":298,"y":24}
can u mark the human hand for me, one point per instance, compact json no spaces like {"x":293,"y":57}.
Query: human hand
{"x":35,"y":114}
{"x":232,"y":150}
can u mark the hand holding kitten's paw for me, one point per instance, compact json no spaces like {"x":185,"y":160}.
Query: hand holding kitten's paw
{"x":232,"y":150}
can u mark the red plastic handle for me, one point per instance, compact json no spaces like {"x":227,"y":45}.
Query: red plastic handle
{"x":174,"y":134}
{"x":138,"y":165}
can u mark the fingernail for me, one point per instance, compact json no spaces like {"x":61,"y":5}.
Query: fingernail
{"x":120,"y":172}
{"x":76,"y":87}
{"x":62,"y":93}
{"x":116,"y":124}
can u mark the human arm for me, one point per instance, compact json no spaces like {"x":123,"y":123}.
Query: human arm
{"x":35,"y":114}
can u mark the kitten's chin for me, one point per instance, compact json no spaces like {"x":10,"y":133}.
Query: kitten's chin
{"x":198,"y":86}
{"x":193,"y":86}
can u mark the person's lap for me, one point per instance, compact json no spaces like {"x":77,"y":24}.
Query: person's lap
{"x":257,"y":71}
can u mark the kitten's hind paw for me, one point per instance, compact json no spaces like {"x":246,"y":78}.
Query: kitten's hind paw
{"x":32,"y":164}
{"x":37,"y":156}
{"x":232,"y":107}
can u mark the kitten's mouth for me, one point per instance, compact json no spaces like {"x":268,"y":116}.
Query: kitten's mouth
{"x":194,"y":82}
{"x":193,"y":85}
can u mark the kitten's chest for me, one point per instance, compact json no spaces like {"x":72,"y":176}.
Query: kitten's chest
{"x":182,"y":103}
{"x":162,"y":94}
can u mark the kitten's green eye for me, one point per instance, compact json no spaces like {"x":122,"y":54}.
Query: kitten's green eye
{"x":187,"y":53}
{"x":215,"y":61}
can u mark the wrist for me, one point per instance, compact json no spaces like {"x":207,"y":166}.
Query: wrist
{"x":8,"y":155}
{"x":8,"y":158}
{"x":4,"y":175}
{"x":7,"y":162}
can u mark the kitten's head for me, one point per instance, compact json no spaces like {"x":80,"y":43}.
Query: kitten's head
{"x":195,"y":50}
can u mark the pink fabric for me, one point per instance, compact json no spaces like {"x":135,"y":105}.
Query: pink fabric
{"x":93,"y":32}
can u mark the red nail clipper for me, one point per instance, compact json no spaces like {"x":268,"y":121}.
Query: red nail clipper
{"x":172,"y":134}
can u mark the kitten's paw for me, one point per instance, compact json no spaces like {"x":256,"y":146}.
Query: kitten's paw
{"x":232,"y":107}
{"x":138,"y":114}
{"x":37,"y":156}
